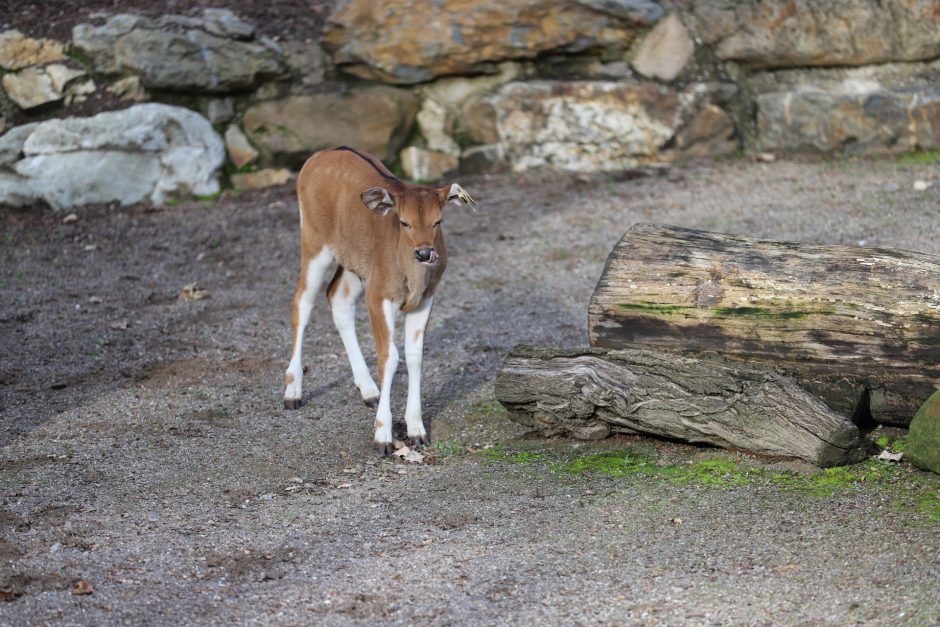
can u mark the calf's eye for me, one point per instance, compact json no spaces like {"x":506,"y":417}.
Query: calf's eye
{"x":404,"y":224}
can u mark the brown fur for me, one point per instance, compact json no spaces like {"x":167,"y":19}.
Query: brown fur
{"x":377,"y":248}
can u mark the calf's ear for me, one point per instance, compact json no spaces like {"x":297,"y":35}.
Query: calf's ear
{"x":456,"y":192}
{"x":378,"y":200}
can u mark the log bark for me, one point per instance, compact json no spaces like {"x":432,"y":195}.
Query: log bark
{"x":858,"y":327}
{"x":592,"y":393}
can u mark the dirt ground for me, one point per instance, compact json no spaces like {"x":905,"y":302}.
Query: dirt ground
{"x":150,"y":476}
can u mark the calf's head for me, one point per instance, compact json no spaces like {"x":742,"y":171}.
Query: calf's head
{"x":419,"y":212}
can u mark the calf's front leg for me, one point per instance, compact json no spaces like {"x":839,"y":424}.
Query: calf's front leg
{"x":415,"y":324}
{"x":382,"y":315}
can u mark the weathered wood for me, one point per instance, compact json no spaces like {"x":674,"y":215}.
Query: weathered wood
{"x":858,"y":327}
{"x":591,"y":393}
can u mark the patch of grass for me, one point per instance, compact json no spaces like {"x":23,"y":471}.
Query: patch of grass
{"x":641,"y":462}
{"x":448,"y":448}
{"x":208,"y":197}
{"x":919,"y":157}
{"x":892,"y":443}
{"x":498,"y":454}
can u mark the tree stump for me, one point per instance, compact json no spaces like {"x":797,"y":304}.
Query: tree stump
{"x":591,"y":393}
{"x":858,"y":327}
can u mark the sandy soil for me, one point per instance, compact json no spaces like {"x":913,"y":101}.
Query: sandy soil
{"x":146,"y":453}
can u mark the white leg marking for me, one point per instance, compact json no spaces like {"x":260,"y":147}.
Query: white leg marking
{"x":415,"y":324}
{"x":316,"y":268}
{"x":383,"y":417}
{"x":344,"y":317}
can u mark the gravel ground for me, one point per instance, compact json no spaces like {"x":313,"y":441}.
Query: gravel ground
{"x":145,"y":452}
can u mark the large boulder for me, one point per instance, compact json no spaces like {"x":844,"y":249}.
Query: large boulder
{"x":147,"y":152}
{"x":592,"y":125}
{"x":923,"y":439}
{"x":210,"y":54}
{"x":413,"y":41}
{"x":890,"y":108}
{"x":375,"y":119}
{"x":792,"y":33}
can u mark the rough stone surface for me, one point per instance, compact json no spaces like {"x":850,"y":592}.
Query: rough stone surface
{"x":219,"y":110}
{"x":240,"y":150}
{"x":870,"y":119}
{"x":664,"y":53}
{"x":589,"y":125}
{"x":192,"y":59}
{"x":789,"y":33}
{"x":454,"y":111}
{"x":307,"y":61}
{"x":18,"y":51}
{"x":11,"y":143}
{"x":37,"y":86}
{"x":260,"y":179}
{"x":159,"y":151}
{"x":414,"y":41}
{"x":129,"y":88}
{"x":923,"y":439}
{"x":374,"y":119}
{"x":421,"y":164}
{"x":710,"y":133}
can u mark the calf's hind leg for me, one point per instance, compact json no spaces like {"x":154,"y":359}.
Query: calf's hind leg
{"x":311,"y":277}
{"x":342,"y":292}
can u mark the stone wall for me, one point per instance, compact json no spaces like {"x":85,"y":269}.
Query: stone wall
{"x":434,"y":87}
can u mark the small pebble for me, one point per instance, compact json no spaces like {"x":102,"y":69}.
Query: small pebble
{"x":921,"y":186}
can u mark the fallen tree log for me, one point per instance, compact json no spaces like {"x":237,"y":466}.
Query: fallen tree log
{"x":592,"y":393}
{"x":858,"y":327}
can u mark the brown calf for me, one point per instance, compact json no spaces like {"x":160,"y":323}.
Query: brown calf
{"x":383,"y":232}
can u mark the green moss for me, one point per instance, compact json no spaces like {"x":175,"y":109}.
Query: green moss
{"x":498,"y":454}
{"x":920,"y":157}
{"x":892,"y":443}
{"x":712,"y":472}
{"x":208,"y":197}
{"x":655,"y":308}
{"x":448,"y":448}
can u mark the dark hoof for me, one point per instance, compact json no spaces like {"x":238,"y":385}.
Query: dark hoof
{"x":385,"y":450}
{"x":421,"y":442}
{"x":292,"y":403}
{"x":371,"y":403}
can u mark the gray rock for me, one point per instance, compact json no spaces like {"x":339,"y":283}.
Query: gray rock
{"x":97,"y":42}
{"x":792,"y":33}
{"x":645,"y":11}
{"x":374,"y":119}
{"x":224,"y":23}
{"x":870,"y":118}
{"x":159,"y":151}
{"x":307,"y":61}
{"x":11,"y":143}
{"x":192,"y":59}
{"x":220,"y":110}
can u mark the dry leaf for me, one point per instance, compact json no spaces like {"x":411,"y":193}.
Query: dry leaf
{"x":414,"y":457}
{"x":72,"y":217}
{"x":676,"y":521}
{"x":193,"y":292}
{"x":402,"y":451}
{"x":95,"y":300}
{"x":82,"y":587}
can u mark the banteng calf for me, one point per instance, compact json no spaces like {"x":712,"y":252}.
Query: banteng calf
{"x":381,"y":232}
